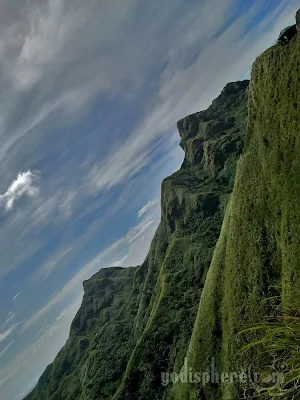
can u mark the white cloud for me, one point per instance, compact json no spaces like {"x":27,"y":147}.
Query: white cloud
{"x":22,"y":185}
{"x":46,"y":29}
{"x":16,"y":296}
{"x":5,"y":334}
{"x":138,"y":249}
{"x":65,"y":312}
{"x":119,"y":263}
{"x":5,"y":349}
{"x":10,"y":316}
{"x":135,"y":232}
{"x":146,"y":207}
{"x":66,"y":206}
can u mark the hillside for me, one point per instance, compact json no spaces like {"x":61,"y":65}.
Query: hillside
{"x":257,"y":255}
{"x":137,"y":322}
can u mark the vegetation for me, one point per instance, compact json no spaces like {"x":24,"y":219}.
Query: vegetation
{"x":281,"y":339}
{"x":258,"y":248}
{"x":82,"y":367}
{"x":144,"y":316}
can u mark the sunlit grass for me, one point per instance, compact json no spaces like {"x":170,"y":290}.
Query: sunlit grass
{"x":280,"y":340}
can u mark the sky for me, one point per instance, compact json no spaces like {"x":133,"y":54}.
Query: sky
{"x":90,"y":94}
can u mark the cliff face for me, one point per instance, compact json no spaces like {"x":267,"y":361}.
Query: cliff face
{"x":257,"y":255}
{"x":136,"y":323}
{"x":193,"y":204}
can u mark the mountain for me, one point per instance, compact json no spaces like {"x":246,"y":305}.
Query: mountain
{"x":257,"y":256}
{"x":136,"y":323}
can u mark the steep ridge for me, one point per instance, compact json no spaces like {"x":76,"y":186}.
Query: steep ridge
{"x":136,"y":323}
{"x":257,"y":255}
{"x":193,"y":204}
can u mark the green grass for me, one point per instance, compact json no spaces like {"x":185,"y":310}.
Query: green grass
{"x":259,"y":245}
{"x":280,"y":338}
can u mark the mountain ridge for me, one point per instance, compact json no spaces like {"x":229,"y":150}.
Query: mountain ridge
{"x":135,"y":323}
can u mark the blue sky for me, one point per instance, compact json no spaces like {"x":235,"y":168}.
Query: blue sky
{"x":90,"y":95}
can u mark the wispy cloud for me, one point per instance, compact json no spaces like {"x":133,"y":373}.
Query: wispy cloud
{"x":22,"y":185}
{"x":66,"y":206}
{"x":54,"y":261}
{"x":135,"y":232}
{"x":6,"y":333}
{"x":33,"y":358}
{"x":119,"y":263}
{"x":72,"y":285}
{"x":146,"y":207}
{"x":186,"y":87}
{"x":16,"y":296}
{"x":6,"y":348}
{"x":10,"y":316}
{"x":107,"y":255}
{"x":63,"y":314}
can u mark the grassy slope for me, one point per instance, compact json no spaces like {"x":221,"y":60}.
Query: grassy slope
{"x":147,"y":313}
{"x":259,"y":244}
{"x":193,"y":202}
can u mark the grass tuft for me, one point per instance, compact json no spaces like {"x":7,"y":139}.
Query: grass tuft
{"x":280,"y":338}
